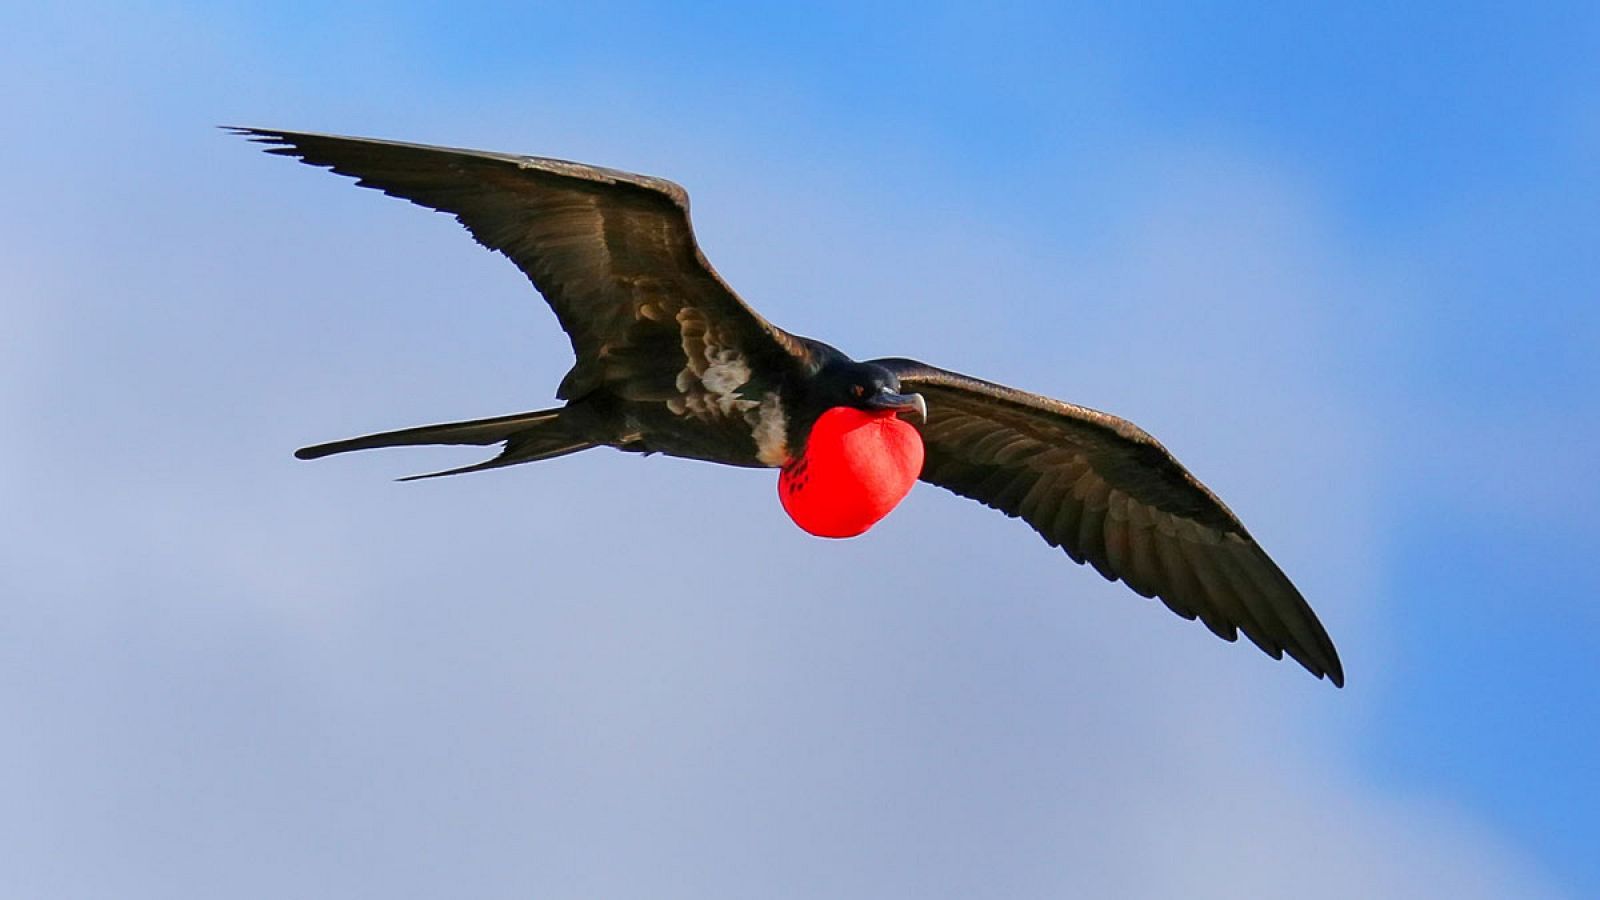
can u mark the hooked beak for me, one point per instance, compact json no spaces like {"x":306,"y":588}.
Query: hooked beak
{"x":900,"y":403}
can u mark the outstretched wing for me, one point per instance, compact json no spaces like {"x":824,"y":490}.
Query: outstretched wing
{"x":1111,"y":496}
{"x":613,"y":253}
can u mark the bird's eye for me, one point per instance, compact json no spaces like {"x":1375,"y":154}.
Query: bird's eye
{"x":857,"y":391}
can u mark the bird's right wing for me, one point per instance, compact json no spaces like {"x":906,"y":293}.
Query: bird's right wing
{"x":612,"y":252}
{"x":1110,"y":495}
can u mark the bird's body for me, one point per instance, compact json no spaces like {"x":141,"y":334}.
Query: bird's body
{"x":669,"y":360}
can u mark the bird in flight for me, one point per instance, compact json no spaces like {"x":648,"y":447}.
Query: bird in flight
{"x":670,"y":360}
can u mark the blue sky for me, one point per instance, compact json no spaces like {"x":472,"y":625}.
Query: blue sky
{"x":1339,"y":261}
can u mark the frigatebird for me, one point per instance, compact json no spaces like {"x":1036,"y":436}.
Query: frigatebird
{"x":670,"y":360}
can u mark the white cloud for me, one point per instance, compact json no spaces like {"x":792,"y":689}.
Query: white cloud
{"x":237,"y":673}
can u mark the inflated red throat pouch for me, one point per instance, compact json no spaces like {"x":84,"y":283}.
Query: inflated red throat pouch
{"x":857,"y":466}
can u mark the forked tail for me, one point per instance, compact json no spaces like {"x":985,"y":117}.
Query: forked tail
{"x":528,"y":437}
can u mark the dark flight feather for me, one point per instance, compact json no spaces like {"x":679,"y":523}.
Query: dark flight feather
{"x":613,"y":253}
{"x":1109,"y":494}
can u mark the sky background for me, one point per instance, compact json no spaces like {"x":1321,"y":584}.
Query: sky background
{"x":1340,"y":261}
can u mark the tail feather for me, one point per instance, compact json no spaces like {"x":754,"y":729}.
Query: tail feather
{"x":512,"y":455}
{"x":528,"y":437}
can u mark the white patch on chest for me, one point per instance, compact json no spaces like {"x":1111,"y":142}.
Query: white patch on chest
{"x":771,"y":431}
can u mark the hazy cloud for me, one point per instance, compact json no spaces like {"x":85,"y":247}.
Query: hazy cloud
{"x":231,"y":673}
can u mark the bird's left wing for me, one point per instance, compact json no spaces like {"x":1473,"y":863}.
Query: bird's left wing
{"x":1110,"y":495}
{"x":613,"y":253}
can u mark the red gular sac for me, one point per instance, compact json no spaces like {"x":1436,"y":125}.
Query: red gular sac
{"x":857,"y":466}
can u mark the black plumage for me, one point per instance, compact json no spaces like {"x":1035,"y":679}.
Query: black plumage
{"x":670,"y":360}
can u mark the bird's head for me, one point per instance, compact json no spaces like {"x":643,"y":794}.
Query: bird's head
{"x":869,"y":388}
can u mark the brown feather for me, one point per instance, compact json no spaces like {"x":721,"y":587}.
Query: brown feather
{"x":1110,"y":495}
{"x":613,"y":253}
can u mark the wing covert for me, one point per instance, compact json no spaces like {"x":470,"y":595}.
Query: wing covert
{"x":613,"y":253}
{"x":1111,"y":496}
